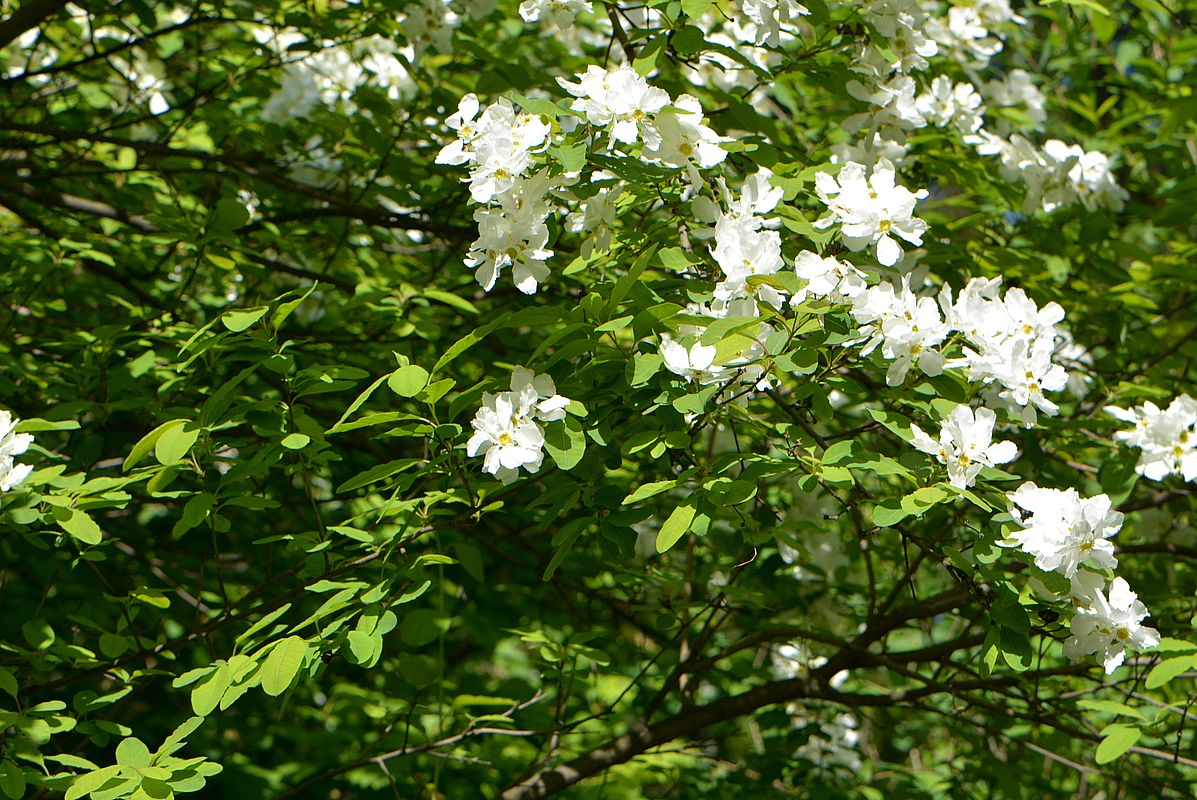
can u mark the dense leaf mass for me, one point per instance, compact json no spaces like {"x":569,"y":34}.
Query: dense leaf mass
{"x":484,"y":398}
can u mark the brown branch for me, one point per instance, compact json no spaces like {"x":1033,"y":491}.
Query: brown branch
{"x":31,"y":14}
{"x":642,"y":736}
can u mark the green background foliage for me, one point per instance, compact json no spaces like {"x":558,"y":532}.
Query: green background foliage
{"x":254,"y":560}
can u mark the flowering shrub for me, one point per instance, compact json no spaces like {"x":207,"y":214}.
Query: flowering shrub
{"x":453,"y":398}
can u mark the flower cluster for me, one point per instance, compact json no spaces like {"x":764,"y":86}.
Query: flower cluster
{"x":768,"y":19}
{"x":554,"y":13}
{"x":672,"y":131}
{"x":966,"y":444}
{"x":499,"y":144}
{"x":1056,"y":175}
{"x":1109,"y":623}
{"x":1166,"y":437}
{"x":1065,"y":531}
{"x":1012,"y":345}
{"x":507,"y":432}
{"x":12,"y":444}
{"x":510,"y":177}
{"x":330,"y":74}
{"x":871,"y":210}
{"x":908,"y":327}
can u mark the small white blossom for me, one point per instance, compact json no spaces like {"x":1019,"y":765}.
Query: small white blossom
{"x":1065,"y":530}
{"x":828,"y":278}
{"x":619,"y":98}
{"x":559,"y":13}
{"x":12,"y":444}
{"x":684,"y":141}
{"x":1166,"y":437}
{"x":871,"y":210}
{"x":507,"y":432}
{"x":1111,"y":626}
{"x":907,"y":327}
{"x":695,"y":364}
{"x":966,"y":445}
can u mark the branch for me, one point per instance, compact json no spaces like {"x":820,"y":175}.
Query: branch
{"x":642,"y":736}
{"x":27,"y":17}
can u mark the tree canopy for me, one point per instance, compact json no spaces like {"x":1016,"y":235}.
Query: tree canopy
{"x":472,"y":398}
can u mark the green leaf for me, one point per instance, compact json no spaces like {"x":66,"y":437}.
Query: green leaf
{"x":296,"y":441}
{"x":562,"y":542}
{"x":888,"y":512}
{"x":240,"y":319}
{"x":625,"y":283}
{"x":468,"y":341}
{"x":644,"y":366}
{"x":838,"y":452}
{"x":1116,"y":740}
{"x":175,"y":441}
{"x":649,"y":490}
{"x":450,"y":299}
{"x":146,"y":443}
{"x":377,"y":473}
{"x":675,"y":527}
{"x":726,"y":492}
{"x":362,"y":646}
{"x":175,"y":741}
{"x":12,"y":780}
{"x":195,"y":512}
{"x":132,"y":752}
{"x":1168,"y":669}
{"x":282,"y":665}
{"x":207,"y":693}
{"x":91,"y":781}
{"x":408,"y":381}
{"x":422,"y":626}
{"x":8,"y":683}
{"x":284,"y":309}
{"x":720,"y":329}
{"x":571,"y":157}
{"x":565,"y":442}
{"x":695,"y":9}
{"x":78,"y":524}
{"x":688,"y":41}
{"x":228,"y":216}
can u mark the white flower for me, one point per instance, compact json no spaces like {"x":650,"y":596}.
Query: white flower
{"x":506,"y":430}
{"x":506,"y":437}
{"x":1064,"y":529}
{"x":298,"y":93}
{"x":12,"y":444}
{"x":696,"y":364}
{"x":871,"y":210}
{"x":1168,"y":438}
{"x":499,"y":144}
{"x":1026,"y":375}
{"x":829,"y":278}
{"x":965,"y":445}
{"x":893,"y":101}
{"x":768,"y":17}
{"x":596,"y":215}
{"x":559,"y":13}
{"x":1110,"y":626}
{"x":545,"y":404}
{"x":1017,"y":89}
{"x":907,"y":327}
{"x":619,"y":98}
{"x":743,"y":252}
{"x":684,"y":141}
{"x":959,"y":106}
